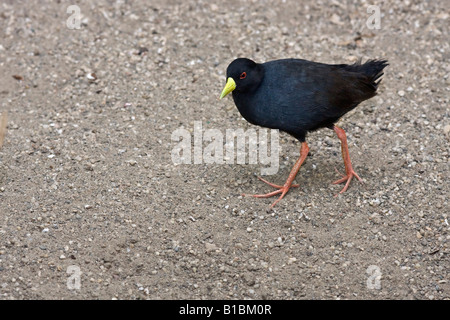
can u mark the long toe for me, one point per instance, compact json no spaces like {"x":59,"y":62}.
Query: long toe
{"x":276,"y":185}
{"x":288,"y":184}
{"x":347,"y":179}
{"x":282,"y":189}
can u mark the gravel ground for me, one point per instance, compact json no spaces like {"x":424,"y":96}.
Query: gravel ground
{"x":87,"y":180}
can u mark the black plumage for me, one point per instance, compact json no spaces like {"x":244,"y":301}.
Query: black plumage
{"x":298,"y":96}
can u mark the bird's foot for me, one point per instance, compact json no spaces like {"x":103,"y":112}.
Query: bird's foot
{"x":347,"y":178}
{"x":281,"y":189}
{"x":288,"y":184}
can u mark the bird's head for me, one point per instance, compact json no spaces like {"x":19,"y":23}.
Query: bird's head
{"x":242,"y":75}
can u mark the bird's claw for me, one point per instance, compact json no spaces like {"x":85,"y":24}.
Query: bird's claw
{"x":347,"y":178}
{"x":276,"y":185}
{"x":281,"y":189}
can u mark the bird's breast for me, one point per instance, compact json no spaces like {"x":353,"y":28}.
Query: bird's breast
{"x":258,"y":110}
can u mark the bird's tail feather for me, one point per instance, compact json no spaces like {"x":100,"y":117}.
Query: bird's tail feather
{"x":373,"y":69}
{"x":358,"y":82}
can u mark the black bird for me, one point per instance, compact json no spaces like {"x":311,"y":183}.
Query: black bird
{"x":298,"y":96}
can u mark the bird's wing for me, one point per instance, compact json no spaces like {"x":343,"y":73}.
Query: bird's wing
{"x":346,"y":89}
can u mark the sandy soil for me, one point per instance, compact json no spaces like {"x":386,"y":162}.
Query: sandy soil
{"x":88,"y":187}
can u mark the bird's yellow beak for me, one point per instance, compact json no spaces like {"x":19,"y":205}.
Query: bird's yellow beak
{"x":230,"y":86}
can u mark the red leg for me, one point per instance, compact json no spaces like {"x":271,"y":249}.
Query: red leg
{"x":350,"y":173}
{"x":288,"y":184}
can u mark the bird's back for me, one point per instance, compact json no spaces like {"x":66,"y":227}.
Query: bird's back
{"x":297,"y":95}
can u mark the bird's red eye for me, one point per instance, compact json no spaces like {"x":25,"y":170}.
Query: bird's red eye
{"x":243,"y":75}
